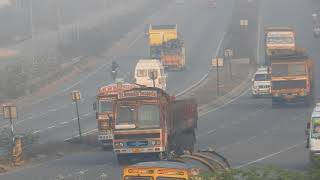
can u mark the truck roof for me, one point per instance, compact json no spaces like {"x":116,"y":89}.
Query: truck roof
{"x":148,"y":63}
{"x":163,"y":27}
{"x":278,"y":29}
{"x":164,"y":164}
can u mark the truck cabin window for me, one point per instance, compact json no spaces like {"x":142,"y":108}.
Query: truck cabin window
{"x":169,"y":178}
{"x":149,"y":116}
{"x":138,"y":178}
{"x":142,"y":73}
{"x":280,"y":40}
{"x":262,"y":77}
{"x":288,"y":70}
{"x":105,"y":106}
{"x":126,"y":114}
{"x":316,"y":128}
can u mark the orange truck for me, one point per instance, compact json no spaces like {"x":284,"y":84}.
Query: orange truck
{"x":151,"y":124}
{"x":292,"y":78}
{"x":279,"y":40}
{"x":104,"y":110}
{"x":166,"y":45}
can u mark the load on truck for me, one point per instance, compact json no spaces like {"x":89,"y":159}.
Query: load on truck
{"x":292,"y":79}
{"x":166,"y":45}
{"x":313,"y":133}
{"x":104,"y":110}
{"x":261,"y":85}
{"x":150,"y":73}
{"x":184,"y":167}
{"x":150,"y":123}
{"x":279,"y":41}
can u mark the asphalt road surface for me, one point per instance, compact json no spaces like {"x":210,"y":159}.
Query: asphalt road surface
{"x":247,"y":131}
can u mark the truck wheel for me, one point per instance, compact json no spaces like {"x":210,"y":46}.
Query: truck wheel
{"x":275,"y":103}
{"x":122,"y":159}
{"x":307,"y":101}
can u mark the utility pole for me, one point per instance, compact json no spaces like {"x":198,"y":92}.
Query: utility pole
{"x":228,"y":54}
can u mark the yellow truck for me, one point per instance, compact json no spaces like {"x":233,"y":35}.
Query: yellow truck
{"x":280,"y":40}
{"x":292,"y":79}
{"x":166,"y":46}
{"x":184,"y":167}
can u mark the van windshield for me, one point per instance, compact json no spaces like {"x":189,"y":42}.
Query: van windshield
{"x":315,"y":128}
{"x":262,"y":77}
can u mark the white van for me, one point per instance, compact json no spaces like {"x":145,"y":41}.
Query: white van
{"x":261,"y":83}
{"x":313,"y":132}
{"x":148,"y":68}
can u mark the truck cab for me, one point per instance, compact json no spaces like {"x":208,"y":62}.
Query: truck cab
{"x":150,"y":73}
{"x":261,"y":85}
{"x":104,"y":108}
{"x":313,"y":132}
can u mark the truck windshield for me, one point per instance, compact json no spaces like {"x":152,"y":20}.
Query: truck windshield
{"x":315,"y":128}
{"x":169,"y":178}
{"x":262,"y":77}
{"x":149,"y":116}
{"x":138,"y":178}
{"x":126,"y":114}
{"x":105,"y":106}
{"x":280,"y":40}
{"x":288,"y":69}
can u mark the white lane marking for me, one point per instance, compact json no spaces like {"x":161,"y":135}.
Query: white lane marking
{"x":271,"y":155}
{"x":207,"y":73}
{"x":86,"y":133}
{"x":225,"y":104}
{"x":35,"y":132}
{"x":50,"y":127}
{"x":135,"y":40}
{"x":211,"y":131}
{"x":86,"y":115}
{"x":62,"y":123}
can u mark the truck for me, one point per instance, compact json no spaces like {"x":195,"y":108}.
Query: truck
{"x":292,"y":78}
{"x":149,"y":123}
{"x":166,"y":45}
{"x":313,"y":133}
{"x":261,"y":82}
{"x":183,"y":167}
{"x":104,"y":110}
{"x":279,"y":40}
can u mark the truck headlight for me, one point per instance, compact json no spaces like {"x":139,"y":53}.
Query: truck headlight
{"x":118,"y":144}
{"x":155,"y":142}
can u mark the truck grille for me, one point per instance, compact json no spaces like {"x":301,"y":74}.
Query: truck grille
{"x":136,"y":136}
{"x":292,"y":84}
{"x":137,"y":143}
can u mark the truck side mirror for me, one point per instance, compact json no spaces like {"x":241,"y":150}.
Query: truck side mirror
{"x":95,"y":106}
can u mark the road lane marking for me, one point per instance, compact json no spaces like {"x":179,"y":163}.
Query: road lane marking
{"x":135,"y":40}
{"x":271,"y":155}
{"x":86,"y":133}
{"x":65,"y":122}
{"x":211,"y":131}
{"x":35,"y":132}
{"x":50,"y":127}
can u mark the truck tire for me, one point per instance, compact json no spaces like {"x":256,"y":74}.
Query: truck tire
{"x":307,"y":101}
{"x":275,"y":103}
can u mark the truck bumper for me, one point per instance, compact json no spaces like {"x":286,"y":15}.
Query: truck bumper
{"x":261,"y":92}
{"x":139,"y":150}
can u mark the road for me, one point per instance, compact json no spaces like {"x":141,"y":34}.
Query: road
{"x":247,"y":131}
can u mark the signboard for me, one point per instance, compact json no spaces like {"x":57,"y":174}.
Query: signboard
{"x":228,"y":53}
{"x":217,"y":61}
{"x":136,"y":93}
{"x":114,"y":89}
{"x":244,"y":22}
{"x":9,"y":112}
{"x":76,"y":95}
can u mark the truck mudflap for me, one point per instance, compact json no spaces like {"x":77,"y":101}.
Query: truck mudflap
{"x":206,"y":160}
